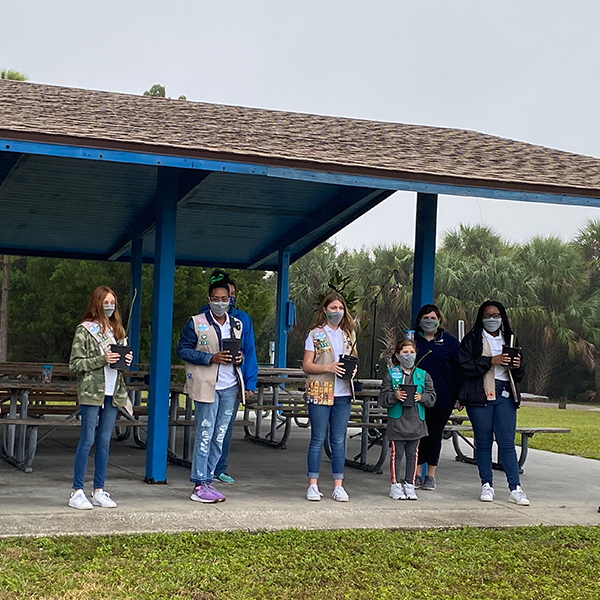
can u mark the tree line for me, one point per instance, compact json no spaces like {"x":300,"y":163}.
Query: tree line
{"x":551,"y":289}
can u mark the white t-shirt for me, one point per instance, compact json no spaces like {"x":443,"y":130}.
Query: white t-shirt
{"x":226,"y":377}
{"x":496,"y":343}
{"x":341,"y":387}
{"x":110,"y":374}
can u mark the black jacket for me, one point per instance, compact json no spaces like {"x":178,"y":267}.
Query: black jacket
{"x":474,"y":366}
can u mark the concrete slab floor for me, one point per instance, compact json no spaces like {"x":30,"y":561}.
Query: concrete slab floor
{"x":269,"y":494}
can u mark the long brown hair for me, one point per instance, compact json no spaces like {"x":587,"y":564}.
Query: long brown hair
{"x":347,"y":324}
{"x":95,"y":312}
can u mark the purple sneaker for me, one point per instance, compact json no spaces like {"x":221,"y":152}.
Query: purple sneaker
{"x":216,"y":493}
{"x":206,"y":493}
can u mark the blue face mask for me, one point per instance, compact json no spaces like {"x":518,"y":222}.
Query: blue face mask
{"x":232,"y":301}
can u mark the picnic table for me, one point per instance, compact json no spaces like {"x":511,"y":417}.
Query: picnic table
{"x":268,"y":416}
{"x":456,"y":430}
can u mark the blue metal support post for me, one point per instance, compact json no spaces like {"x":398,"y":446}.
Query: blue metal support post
{"x":135,"y":297}
{"x":162,"y":326}
{"x":281,"y":314}
{"x":424,"y":263}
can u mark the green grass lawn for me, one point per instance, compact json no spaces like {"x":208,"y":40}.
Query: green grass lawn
{"x":584,"y":439}
{"x":534,"y":563}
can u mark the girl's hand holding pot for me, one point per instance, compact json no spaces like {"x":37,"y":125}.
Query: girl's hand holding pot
{"x":337,"y":368}
{"x":501,"y":359}
{"x":401,"y":395}
{"x":112,"y":357}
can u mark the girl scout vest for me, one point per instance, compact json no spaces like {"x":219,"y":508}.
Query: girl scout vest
{"x":201,"y":380}
{"x":320,"y":386}
{"x":418,"y":379}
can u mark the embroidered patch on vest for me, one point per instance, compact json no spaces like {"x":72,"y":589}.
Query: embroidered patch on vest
{"x":397,"y":379}
{"x":189,"y":375}
{"x":202,"y":327}
{"x":319,"y":392}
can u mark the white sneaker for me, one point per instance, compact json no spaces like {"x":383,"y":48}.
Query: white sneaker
{"x":396,"y":492}
{"x":339,"y":494}
{"x":103,"y":499}
{"x":313,"y":493}
{"x":487,"y":493}
{"x":519,"y":497}
{"x":79,"y":500}
{"x":409,"y":490}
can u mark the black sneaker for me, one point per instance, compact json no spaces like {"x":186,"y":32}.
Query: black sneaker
{"x":418,"y":482}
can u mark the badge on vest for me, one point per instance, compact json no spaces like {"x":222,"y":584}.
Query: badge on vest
{"x":397,"y":379}
{"x":320,"y":392}
{"x":202,"y":327}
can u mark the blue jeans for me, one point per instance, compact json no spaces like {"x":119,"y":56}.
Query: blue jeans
{"x":222,"y":464}
{"x":106,"y":415}
{"x":498,"y":419}
{"x":336,"y":416}
{"x":212,"y":420}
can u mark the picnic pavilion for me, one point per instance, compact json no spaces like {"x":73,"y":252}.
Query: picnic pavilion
{"x":104,"y":176}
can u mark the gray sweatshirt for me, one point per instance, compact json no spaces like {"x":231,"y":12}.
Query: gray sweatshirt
{"x":409,"y":426}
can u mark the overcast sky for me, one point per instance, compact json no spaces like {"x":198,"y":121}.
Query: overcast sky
{"x":523,"y":69}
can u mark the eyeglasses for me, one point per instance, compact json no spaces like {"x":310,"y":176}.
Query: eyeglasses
{"x":219,"y":299}
{"x":494,"y":316}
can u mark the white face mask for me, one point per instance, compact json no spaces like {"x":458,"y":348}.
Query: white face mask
{"x":109,"y":309}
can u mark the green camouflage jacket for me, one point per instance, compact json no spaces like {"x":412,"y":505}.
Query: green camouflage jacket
{"x":88,"y":362}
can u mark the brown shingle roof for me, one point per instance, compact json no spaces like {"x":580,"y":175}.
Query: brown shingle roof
{"x":396,"y":150}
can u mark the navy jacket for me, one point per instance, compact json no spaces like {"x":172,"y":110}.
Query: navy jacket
{"x":443,"y":366}
{"x":249,"y":367}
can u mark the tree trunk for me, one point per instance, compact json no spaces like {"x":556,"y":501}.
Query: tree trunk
{"x":4,"y":309}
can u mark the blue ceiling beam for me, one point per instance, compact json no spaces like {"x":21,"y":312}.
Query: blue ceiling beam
{"x":341,"y":209}
{"x":187,"y":182}
{"x":298,"y":174}
{"x":8,"y":164}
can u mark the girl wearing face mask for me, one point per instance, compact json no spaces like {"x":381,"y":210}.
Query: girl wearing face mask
{"x":100,"y":390}
{"x":491,"y":396}
{"x":406,"y":424}
{"x":439,"y":353}
{"x":329,"y":398}
{"x":213,"y":381}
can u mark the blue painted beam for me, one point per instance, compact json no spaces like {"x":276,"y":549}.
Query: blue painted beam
{"x":324,"y":176}
{"x":342,"y":208}
{"x":8,"y":162}
{"x":162,"y":325}
{"x":135,"y":296}
{"x":283,"y":297}
{"x":187,"y":182}
{"x":424,"y":260}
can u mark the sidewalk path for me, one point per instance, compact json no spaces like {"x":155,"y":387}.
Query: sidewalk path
{"x":269,"y":494}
